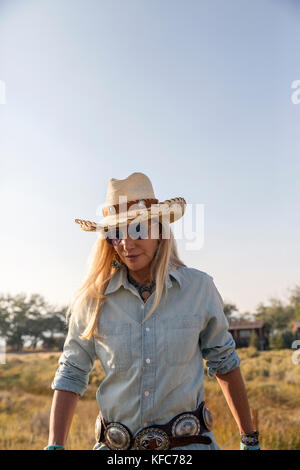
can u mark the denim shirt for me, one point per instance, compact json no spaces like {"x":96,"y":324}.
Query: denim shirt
{"x":153,"y":371}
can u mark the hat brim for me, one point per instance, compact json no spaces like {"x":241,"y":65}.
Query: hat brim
{"x":168,"y":211}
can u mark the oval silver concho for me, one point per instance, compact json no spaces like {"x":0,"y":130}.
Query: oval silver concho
{"x":143,"y":438}
{"x":98,"y":426}
{"x":207,"y":418}
{"x":117,"y":437}
{"x":186,"y":425}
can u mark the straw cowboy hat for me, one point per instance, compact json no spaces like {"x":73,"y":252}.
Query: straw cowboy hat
{"x":133,"y":200}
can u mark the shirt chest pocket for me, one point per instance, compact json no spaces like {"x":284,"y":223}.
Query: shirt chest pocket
{"x":114,"y":346}
{"x":181,"y":340}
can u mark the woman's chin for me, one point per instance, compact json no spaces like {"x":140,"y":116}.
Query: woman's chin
{"x":136,"y":263}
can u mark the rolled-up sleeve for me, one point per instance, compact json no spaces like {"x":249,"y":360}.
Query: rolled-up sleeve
{"x":216,"y":342}
{"x":77,"y":359}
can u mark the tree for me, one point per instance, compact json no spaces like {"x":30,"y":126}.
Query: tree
{"x":277,"y":341}
{"x":16,"y":309}
{"x":4,"y":320}
{"x":294,"y":300}
{"x":228,"y":310}
{"x":282,"y":339}
{"x":288,"y":338}
{"x":55,"y":330}
{"x":275,"y":316}
{"x":254,"y":340}
{"x":30,"y":321}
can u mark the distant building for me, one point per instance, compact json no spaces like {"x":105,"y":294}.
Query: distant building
{"x":296,"y":329}
{"x":242,"y":330}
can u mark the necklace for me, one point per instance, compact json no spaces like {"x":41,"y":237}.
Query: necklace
{"x":140,"y":287}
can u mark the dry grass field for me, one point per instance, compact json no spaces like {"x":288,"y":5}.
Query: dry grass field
{"x":272,"y":381}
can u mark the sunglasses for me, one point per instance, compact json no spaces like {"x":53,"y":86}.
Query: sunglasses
{"x":138,"y":231}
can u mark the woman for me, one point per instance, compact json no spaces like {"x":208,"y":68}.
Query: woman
{"x":151,"y":320}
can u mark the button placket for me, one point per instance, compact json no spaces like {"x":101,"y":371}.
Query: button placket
{"x":148,"y":373}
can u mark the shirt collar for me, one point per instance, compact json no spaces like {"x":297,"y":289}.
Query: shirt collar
{"x":120,"y":279}
{"x":176,"y":275}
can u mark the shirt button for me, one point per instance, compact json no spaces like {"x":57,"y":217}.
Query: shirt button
{"x":147,"y":329}
{"x":142,"y":307}
{"x":148,"y":360}
{"x":146,"y":393}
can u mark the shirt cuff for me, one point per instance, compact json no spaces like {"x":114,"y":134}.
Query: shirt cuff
{"x":227,"y":365}
{"x":69,"y":379}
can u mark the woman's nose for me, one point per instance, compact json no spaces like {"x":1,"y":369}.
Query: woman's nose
{"x":127,"y":243}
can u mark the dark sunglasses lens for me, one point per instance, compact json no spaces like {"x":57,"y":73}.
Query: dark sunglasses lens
{"x":138,"y":231}
{"x":114,"y":237}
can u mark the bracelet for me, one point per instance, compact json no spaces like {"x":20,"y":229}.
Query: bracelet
{"x":54,"y":447}
{"x":250,"y":439}
{"x":245,"y":447}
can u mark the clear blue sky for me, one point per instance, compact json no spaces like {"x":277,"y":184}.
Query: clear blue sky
{"x":196,"y":94}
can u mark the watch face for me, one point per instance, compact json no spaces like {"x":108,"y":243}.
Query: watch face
{"x":207,"y":418}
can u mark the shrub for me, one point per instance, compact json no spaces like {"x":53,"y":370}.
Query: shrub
{"x":282,"y":339}
{"x":277,"y":341}
{"x":254,"y":341}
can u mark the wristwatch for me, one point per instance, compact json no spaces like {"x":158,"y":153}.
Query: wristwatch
{"x":245,"y":447}
{"x":54,"y":447}
{"x":250,"y":441}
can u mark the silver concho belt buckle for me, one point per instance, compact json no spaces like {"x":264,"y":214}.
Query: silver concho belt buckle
{"x":152,"y":439}
{"x":98,"y":427}
{"x":186,"y":424}
{"x":117,"y":436}
{"x":207,"y":418}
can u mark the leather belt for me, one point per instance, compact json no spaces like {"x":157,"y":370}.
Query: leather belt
{"x":184,"y":429}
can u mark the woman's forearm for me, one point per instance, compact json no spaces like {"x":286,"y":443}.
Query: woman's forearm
{"x":233,"y":388}
{"x":61,"y":415}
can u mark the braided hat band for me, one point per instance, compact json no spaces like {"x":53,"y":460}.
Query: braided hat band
{"x":171,"y":210}
{"x":133,"y":200}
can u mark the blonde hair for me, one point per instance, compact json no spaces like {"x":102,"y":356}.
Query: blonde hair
{"x":91,"y":293}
